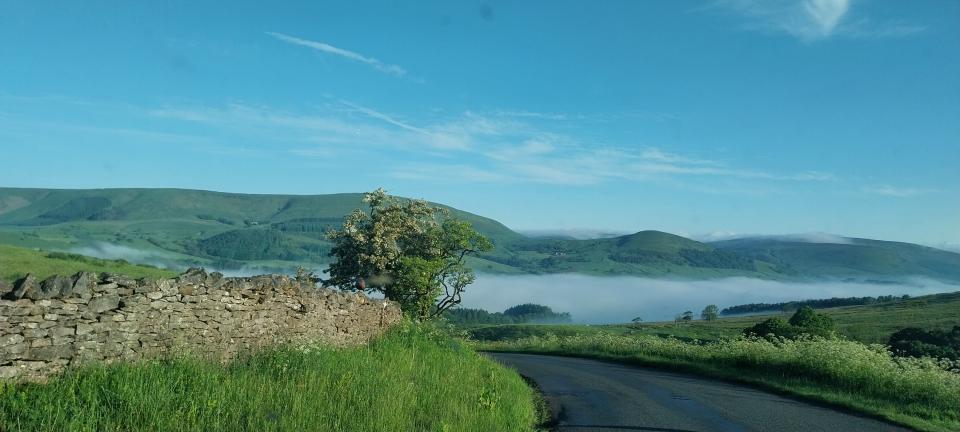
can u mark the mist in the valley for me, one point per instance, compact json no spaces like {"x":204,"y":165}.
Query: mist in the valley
{"x":112,"y":251}
{"x":614,"y":299}
{"x":591,"y":299}
{"x":169,"y":260}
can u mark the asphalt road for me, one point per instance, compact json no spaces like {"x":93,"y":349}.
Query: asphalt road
{"x":590,"y":395}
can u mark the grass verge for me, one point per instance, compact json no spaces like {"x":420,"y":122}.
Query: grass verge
{"x":920,"y":393}
{"x":412,"y":379}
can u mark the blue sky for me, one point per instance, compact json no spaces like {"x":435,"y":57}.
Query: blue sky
{"x":698,"y":118}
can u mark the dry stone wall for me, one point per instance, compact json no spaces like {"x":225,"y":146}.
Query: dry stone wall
{"x":61,"y":321}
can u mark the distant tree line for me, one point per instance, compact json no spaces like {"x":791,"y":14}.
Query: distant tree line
{"x":524,"y":313}
{"x":816,"y":304}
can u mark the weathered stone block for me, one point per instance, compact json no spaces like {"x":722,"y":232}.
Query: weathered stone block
{"x":105,"y":287}
{"x":63,"y":331}
{"x":46,"y":324}
{"x":9,"y":372}
{"x":120,"y":280}
{"x":36,"y":343}
{"x":83,"y":284}
{"x":49,"y":353}
{"x":83,"y":328}
{"x":104,"y":303}
{"x":23,"y":287}
{"x":54,"y":286}
{"x":159,"y":304}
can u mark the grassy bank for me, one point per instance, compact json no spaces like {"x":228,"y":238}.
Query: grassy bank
{"x":411,"y":379}
{"x":920,"y":393}
{"x":16,"y":262}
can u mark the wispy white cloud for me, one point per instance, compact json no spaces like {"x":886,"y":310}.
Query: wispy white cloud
{"x":657,"y":117}
{"x":467,"y":147}
{"x":813,"y":176}
{"x":457,"y":172}
{"x":530,"y":147}
{"x":330,"y":49}
{"x":131,"y":136}
{"x":808,"y":20}
{"x":894,"y":191}
{"x":812,"y":20}
{"x":811,"y":237}
{"x":314,"y":152}
{"x":655,"y":154}
{"x":315,"y":135}
{"x":381,"y":116}
{"x":867,"y":29}
{"x":575,"y":233}
{"x":436,"y":137}
{"x":534,"y":115}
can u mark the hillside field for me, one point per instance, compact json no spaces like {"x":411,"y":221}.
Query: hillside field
{"x":16,"y":262}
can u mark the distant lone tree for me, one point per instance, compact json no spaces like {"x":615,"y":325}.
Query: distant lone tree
{"x":687,"y":316}
{"x":710,"y":313}
{"x":408,"y":250}
{"x":637,"y":320}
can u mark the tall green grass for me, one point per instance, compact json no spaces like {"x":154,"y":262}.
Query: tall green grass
{"x":922,"y":393}
{"x":412,"y":379}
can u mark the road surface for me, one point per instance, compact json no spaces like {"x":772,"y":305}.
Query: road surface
{"x":590,"y":395}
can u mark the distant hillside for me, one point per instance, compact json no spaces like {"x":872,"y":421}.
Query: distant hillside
{"x":182,"y":228}
{"x":190,"y":227}
{"x":858,"y":258}
{"x":651,"y":253}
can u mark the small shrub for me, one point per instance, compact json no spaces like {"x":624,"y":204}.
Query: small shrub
{"x":803,"y":322}
{"x":915,"y":342}
{"x":771,"y":327}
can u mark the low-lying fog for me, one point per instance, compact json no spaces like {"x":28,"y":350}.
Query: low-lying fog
{"x":611,"y":299}
{"x":602,"y":299}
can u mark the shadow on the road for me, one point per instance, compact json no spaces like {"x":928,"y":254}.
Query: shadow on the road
{"x":630,"y":428}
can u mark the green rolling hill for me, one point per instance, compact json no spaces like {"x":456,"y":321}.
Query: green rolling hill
{"x":179,"y":228}
{"x":856,"y":258}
